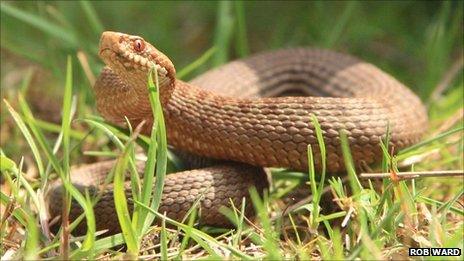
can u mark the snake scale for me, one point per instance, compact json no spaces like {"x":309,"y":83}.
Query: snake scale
{"x":233,"y":113}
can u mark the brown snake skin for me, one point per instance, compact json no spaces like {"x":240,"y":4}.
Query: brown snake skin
{"x":222,"y":114}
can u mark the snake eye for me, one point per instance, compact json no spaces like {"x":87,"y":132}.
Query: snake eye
{"x":139,"y":45}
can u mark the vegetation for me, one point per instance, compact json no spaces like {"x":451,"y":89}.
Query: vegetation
{"x":49,"y":123}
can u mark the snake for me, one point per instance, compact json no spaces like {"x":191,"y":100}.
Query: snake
{"x":249,"y":114}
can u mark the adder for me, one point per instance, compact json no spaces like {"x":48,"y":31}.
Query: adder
{"x":232,"y":113}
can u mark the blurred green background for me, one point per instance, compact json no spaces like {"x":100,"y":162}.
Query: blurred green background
{"x":416,"y":42}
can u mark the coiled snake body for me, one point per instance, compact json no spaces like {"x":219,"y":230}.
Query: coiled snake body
{"x":228,"y":113}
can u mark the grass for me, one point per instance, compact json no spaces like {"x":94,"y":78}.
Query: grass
{"x":419,"y":43}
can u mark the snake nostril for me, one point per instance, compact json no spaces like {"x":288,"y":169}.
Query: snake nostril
{"x":108,"y":38}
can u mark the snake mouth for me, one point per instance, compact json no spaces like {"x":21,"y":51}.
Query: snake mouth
{"x":102,"y":50}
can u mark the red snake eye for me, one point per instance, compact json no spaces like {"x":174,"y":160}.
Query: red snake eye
{"x":139,"y":45}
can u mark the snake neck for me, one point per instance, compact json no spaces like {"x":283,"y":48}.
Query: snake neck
{"x":188,"y":105}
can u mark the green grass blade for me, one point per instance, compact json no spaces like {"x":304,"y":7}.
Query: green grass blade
{"x":92,"y":17}
{"x":158,"y":148}
{"x":40,"y":23}
{"x":270,"y":241}
{"x":439,"y":204}
{"x":65,"y":175}
{"x":436,"y":45}
{"x":223,"y":33}
{"x":342,"y":22}
{"x":190,"y":223}
{"x":88,"y":246}
{"x":321,"y":143}
{"x":120,"y":201}
{"x":54,"y":128}
{"x":197,"y":63}
{"x":26,"y":81}
{"x":39,"y":136}
{"x":85,"y":203}
{"x":295,"y":230}
{"x":13,"y":47}
{"x":107,"y":131}
{"x":32,"y":239}
{"x":323,"y":248}
{"x":387,"y":219}
{"x":156,"y":157}
{"x":386,"y":196}
{"x":337,"y":245}
{"x":331,"y":216}
{"x":30,"y":191}
{"x":200,"y":237}
{"x":27,"y":135}
{"x":104,"y":244}
{"x":164,"y":241}
{"x":431,"y":140}
{"x":66,"y":121}
{"x":354,"y":181}
{"x":314,"y":191}
{"x":19,"y":214}
{"x":240,"y":225}
{"x":455,"y":240}
{"x":147,"y":186}
{"x":446,"y":206}
{"x":243,"y":228}
{"x":7,"y":164}
{"x":241,"y":39}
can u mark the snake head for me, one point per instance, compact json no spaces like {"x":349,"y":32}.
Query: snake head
{"x":132,"y":58}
